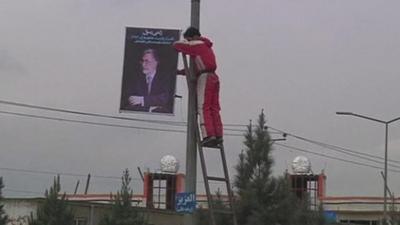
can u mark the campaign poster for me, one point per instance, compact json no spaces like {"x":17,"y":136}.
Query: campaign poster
{"x":149,"y":71}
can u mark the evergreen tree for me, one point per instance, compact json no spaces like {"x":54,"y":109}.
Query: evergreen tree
{"x":3,"y":216}
{"x":122,"y":212}
{"x":394,"y":216}
{"x":262,"y":198}
{"x":54,"y":210}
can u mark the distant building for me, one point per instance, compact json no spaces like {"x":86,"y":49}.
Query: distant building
{"x":88,"y":210}
{"x":159,"y":200}
{"x":359,"y":210}
{"x":338,"y":210}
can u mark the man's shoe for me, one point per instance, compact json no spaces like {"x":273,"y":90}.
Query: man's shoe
{"x":219,"y":141}
{"x":209,"y":141}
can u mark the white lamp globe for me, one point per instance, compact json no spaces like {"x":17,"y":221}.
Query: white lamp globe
{"x":169,"y":164}
{"x":301,"y":165}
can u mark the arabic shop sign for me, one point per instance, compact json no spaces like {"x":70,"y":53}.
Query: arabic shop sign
{"x":185,"y":202}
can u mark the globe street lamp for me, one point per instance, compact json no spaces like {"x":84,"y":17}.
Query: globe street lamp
{"x":386,"y":153}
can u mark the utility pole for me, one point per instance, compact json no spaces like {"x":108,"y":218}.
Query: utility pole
{"x":191,"y":139}
{"x":385,"y":177}
{"x":87,"y":184}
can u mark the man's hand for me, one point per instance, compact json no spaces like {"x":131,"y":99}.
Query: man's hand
{"x":136,"y":100}
{"x":181,"y":72}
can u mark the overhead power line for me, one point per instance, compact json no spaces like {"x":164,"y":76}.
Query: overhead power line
{"x":144,"y":128}
{"x":88,"y":122}
{"x":100,"y":123}
{"x":343,"y":150}
{"x":86,"y":113}
{"x":42,"y":172}
{"x":59,"y":173}
{"x":335,"y":158}
{"x":172,"y":123}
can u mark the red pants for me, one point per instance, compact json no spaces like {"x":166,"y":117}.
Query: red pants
{"x":208,"y":105}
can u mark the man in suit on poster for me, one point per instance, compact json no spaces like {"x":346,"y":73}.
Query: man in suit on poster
{"x":151,"y":90}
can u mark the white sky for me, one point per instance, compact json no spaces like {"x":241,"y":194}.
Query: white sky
{"x":300,"y":61}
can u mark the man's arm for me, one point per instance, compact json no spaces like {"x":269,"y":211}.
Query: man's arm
{"x":148,"y":101}
{"x":188,"y":47}
{"x":156,"y":100}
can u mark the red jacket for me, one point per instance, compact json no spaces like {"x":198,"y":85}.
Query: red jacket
{"x":200,"y":50}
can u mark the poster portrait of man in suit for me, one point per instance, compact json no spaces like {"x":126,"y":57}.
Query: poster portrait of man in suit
{"x":149,"y":72}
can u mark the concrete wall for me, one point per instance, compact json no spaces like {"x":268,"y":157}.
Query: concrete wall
{"x":19,"y":211}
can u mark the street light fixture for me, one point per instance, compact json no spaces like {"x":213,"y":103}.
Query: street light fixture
{"x":386,"y":153}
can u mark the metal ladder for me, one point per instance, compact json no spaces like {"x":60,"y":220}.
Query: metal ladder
{"x":206,"y":178}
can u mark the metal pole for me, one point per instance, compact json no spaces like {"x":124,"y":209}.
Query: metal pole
{"x":386,"y":155}
{"x":76,"y":187}
{"x":87,"y":184}
{"x":195,"y":14}
{"x":191,"y":140}
{"x":387,"y":188}
{"x":386,"y":175}
{"x":140,"y":173}
{"x":91,"y":221}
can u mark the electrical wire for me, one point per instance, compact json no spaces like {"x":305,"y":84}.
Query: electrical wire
{"x":245,"y":130}
{"x":341,"y":149}
{"x":335,"y":158}
{"x":103,"y":124}
{"x":181,"y":131}
{"x":172,"y":123}
{"x":88,"y":122}
{"x":60,"y":173}
{"x":177,"y":123}
{"x":88,"y":113}
{"x":100,"y":123}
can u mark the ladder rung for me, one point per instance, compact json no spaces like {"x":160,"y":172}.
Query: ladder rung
{"x":222,"y":211}
{"x":216,"y":178}
{"x":214,"y":147}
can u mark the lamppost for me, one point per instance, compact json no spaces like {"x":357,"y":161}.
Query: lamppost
{"x":386,"y":153}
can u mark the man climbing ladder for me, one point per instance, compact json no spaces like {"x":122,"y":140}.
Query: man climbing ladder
{"x":208,"y":107}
